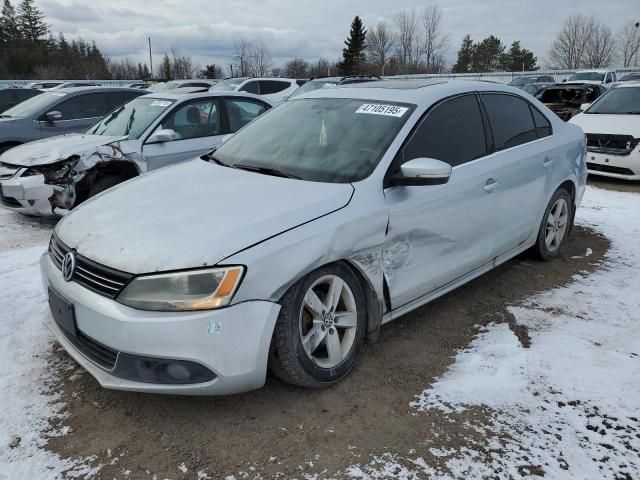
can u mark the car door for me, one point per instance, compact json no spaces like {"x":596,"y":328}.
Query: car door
{"x":78,"y":113}
{"x":198,"y":127}
{"x":525,"y":161}
{"x":439,"y":233}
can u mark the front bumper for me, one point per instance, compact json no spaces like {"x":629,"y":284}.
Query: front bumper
{"x":232,"y":342}
{"x":616,"y":166}
{"x":29,"y":195}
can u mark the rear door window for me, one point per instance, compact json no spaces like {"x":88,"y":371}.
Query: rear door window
{"x":241,"y":112}
{"x":251,"y":87}
{"x":510,"y":118}
{"x":272,"y":86}
{"x":543,"y":126}
{"x":452,"y":131}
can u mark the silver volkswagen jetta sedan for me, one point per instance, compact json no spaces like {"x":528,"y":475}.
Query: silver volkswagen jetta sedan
{"x":293,"y":241}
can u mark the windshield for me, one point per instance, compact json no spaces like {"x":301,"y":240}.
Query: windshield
{"x":618,"y":101}
{"x":229,"y":85}
{"x":34,"y":105}
{"x":520,"y":81}
{"x":312,"y":85}
{"x":589,"y":76}
{"x":336,"y":140}
{"x":161,"y":87}
{"x":132,"y":119}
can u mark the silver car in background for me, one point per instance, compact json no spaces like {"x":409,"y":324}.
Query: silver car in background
{"x":53,"y":175}
{"x":56,"y":112}
{"x":287,"y":246}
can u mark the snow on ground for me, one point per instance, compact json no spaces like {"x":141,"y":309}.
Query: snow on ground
{"x":28,"y":404}
{"x":568,"y":406}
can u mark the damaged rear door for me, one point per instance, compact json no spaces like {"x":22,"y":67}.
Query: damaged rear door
{"x":441,"y":232}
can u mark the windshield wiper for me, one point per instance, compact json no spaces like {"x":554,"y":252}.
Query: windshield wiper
{"x":265,"y":170}
{"x":130,"y":122}
{"x":209,"y":156}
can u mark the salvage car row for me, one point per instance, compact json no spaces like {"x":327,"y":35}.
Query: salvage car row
{"x":199,"y":277}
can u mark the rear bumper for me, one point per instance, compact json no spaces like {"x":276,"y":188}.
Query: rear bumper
{"x":232,"y":342}
{"x":615,"y":166}
{"x":29,"y":195}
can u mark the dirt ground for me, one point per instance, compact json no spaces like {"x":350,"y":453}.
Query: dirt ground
{"x":285,"y":431}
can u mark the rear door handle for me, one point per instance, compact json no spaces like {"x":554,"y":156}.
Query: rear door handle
{"x":548,"y":161}
{"x":491,"y":185}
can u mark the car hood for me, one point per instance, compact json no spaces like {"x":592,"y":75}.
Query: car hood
{"x":193,"y":214}
{"x":580,"y":82}
{"x":53,"y":149}
{"x":608,"y":124}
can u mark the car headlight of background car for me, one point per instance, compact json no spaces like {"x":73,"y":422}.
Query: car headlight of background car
{"x":202,"y":289}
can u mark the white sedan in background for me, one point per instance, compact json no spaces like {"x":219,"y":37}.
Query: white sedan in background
{"x":612,"y":127}
{"x":273,"y":89}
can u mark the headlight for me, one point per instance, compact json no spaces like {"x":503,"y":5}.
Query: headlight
{"x":191,"y":290}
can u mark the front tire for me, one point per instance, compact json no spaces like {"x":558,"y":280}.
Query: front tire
{"x":556,"y":224}
{"x":320,"y":329}
{"x":104,"y":182}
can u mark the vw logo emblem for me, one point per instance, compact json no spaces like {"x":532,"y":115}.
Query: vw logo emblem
{"x":68,"y":266}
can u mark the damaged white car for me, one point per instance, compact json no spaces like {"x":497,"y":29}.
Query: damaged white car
{"x":51,"y":176}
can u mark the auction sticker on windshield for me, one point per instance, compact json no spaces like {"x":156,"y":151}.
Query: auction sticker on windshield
{"x":378,"y":109}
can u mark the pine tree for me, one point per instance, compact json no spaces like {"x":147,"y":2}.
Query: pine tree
{"x":518,"y":59}
{"x":31,"y":21}
{"x":164,"y":70}
{"x":487,"y":55}
{"x":465,"y":56}
{"x":9,"y":29}
{"x":353,"y":57}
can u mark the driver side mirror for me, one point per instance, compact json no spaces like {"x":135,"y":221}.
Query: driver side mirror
{"x":422,"y":171}
{"x":162,"y":136}
{"x":53,"y":116}
{"x":584,"y":106}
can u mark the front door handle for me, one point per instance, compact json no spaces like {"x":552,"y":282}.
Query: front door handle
{"x":491,"y":185}
{"x":548,"y":161}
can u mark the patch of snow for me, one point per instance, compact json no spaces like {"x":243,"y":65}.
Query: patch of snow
{"x":568,"y":406}
{"x":183,"y":468}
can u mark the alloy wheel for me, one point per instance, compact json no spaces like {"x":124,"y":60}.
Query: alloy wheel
{"x":556,"y":224}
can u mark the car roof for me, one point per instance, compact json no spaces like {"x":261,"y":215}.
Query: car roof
{"x":599,"y":70}
{"x":416,"y":91}
{"x":180,"y":97}
{"x":628,"y":84}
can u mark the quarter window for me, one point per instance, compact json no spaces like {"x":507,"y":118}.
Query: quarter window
{"x":543,"y":127}
{"x":452,"y":132}
{"x":511,"y":120}
{"x":241,"y":112}
{"x":194,"y":120}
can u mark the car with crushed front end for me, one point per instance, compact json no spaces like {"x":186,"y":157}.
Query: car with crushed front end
{"x":564,"y":99}
{"x":612,"y":127}
{"x":51,"y":176}
{"x":293,"y":241}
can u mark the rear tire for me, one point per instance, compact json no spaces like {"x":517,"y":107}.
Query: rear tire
{"x":320,"y":329}
{"x":557,"y":223}
{"x":104,"y":182}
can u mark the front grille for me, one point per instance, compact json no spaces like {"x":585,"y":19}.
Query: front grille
{"x":102,"y":355}
{"x":609,"y":169}
{"x":98,"y":278}
{"x":611,"y":144}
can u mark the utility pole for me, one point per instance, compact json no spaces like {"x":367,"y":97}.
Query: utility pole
{"x":150,"y":59}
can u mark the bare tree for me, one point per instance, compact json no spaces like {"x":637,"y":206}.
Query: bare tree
{"x":296,"y":68}
{"x":380,"y":41}
{"x":434,"y":40}
{"x":569,"y":48}
{"x":407,"y":44}
{"x":601,"y":47}
{"x":259,"y":60}
{"x":242,"y":56}
{"x":321,"y":68}
{"x":182,"y":65}
{"x":629,"y":42}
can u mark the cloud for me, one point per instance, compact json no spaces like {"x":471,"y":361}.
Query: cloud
{"x":310,"y":29}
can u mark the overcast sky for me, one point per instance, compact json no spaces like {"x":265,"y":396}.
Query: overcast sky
{"x":207,"y":29}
